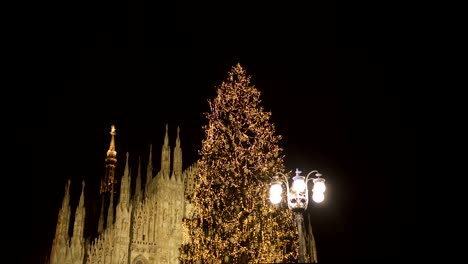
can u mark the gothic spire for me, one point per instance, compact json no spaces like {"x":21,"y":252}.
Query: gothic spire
{"x":64,"y":215}
{"x":108,"y":181}
{"x":125,"y":186}
{"x":166,"y":156}
{"x":138,"y":182}
{"x":178,"y":138}
{"x":127,"y":168}
{"x":149,"y":170}
{"x":111,"y":151}
{"x":60,"y":244}
{"x":166,"y":137}
{"x":79,"y":217}
{"x":78,"y":242}
{"x":177,"y":170}
{"x":61,"y":239}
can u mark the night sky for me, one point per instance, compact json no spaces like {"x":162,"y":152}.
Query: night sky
{"x":321,"y":70}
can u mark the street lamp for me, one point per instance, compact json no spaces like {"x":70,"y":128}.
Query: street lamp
{"x":298,"y":197}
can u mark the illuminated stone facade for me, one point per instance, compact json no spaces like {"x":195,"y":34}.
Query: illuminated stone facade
{"x":145,"y":227}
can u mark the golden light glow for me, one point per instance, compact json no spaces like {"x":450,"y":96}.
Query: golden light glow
{"x":233,"y":218}
{"x":276,"y":189}
{"x":275,"y":198}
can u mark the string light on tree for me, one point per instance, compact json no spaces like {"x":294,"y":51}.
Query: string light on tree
{"x":233,"y":220}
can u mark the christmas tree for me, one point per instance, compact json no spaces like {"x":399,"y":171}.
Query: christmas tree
{"x":233,"y":220}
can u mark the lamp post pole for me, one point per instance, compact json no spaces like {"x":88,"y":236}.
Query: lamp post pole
{"x":298,"y":198}
{"x":300,"y":224}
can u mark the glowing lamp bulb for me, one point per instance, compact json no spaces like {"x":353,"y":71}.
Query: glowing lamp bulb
{"x":319,"y":185}
{"x":276,"y":189}
{"x":318,"y":197}
{"x":275,"y":198}
{"x":299,"y":184}
{"x":275,"y":193}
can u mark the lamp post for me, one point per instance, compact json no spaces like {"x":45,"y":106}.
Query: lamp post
{"x":298,"y":197}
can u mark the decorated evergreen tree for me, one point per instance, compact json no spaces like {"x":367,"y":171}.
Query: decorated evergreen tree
{"x":233,"y":220}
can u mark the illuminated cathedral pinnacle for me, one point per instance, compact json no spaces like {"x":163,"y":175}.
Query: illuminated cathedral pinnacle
{"x":111,"y":151}
{"x":108,"y":181}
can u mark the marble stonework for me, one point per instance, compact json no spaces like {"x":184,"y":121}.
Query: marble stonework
{"x":144,"y":228}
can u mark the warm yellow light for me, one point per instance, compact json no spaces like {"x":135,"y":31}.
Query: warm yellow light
{"x":275,"y":198}
{"x":318,"y":197}
{"x":276,"y":189}
{"x":275,"y":193}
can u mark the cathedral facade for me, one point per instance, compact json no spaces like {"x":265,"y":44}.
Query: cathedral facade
{"x":139,"y":227}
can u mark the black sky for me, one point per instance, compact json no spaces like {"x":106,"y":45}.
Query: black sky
{"x":321,"y":68}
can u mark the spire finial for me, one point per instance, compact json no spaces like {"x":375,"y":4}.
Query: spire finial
{"x":108,"y":180}
{"x":111,"y":151}
{"x":178,"y":138}
{"x":166,"y":137}
{"x":82,"y":193}
{"x":126,"y":169}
